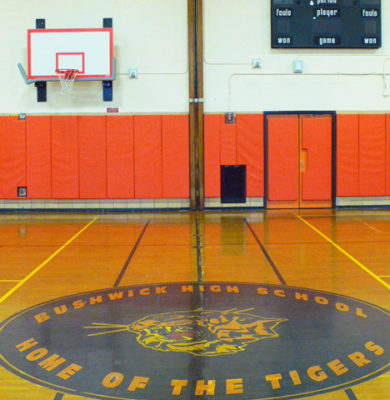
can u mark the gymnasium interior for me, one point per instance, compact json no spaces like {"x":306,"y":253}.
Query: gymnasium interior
{"x":195,"y":200}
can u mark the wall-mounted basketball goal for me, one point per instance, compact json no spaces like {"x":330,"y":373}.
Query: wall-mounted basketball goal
{"x":69,"y":56}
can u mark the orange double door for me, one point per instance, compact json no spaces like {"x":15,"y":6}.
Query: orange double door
{"x":299,"y":161}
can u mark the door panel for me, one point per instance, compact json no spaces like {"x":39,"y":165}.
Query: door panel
{"x":283,"y":159}
{"x":372,"y":155}
{"x":316,"y":142}
{"x":299,"y":167}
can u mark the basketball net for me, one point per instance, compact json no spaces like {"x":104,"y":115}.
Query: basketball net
{"x":66,"y":78}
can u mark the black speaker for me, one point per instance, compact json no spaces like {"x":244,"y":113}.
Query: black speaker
{"x":233,"y":183}
{"x":107,"y":22}
{"x":40,"y":23}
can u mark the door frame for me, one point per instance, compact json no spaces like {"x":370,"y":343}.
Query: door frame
{"x":333,"y":161}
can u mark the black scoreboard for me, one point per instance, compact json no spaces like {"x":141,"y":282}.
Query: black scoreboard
{"x":344,"y":24}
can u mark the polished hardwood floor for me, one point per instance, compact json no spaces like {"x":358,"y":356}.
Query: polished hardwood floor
{"x":333,"y":254}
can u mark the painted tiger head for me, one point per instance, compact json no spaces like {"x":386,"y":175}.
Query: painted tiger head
{"x":203,"y":333}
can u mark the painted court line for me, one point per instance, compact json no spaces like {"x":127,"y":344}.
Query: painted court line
{"x":370,"y":226}
{"x":350,"y":394}
{"x":265,"y":252}
{"x":37,"y":269}
{"x":134,"y":249}
{"x":339,"y":248}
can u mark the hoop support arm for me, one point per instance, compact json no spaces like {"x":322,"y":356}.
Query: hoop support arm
{"x":30,"y":81}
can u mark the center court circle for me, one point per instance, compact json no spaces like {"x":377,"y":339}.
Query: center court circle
{"x":186,"y":340}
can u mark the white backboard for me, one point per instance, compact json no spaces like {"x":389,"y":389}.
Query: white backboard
{"x":89,"y":51}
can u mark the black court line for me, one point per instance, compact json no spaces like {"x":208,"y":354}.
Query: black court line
{"x":267,"y":256}
{"x":134,"y":249}
{"x":59,"y":396}
{"x":198,"y":298}
{"x":350,"y":394}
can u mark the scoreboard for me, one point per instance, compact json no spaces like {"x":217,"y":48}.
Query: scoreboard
{"x":344,"y":24}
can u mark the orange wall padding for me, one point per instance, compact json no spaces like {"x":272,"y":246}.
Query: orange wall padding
{"x":228,"y":140}
{"x":250,"y":152}
{"x":212,"y":156}
{"x":347,"y":155}
{"x":65,"y":157}
{"x":38,"y":157}
{"x":372,"y":155}
{"x":92,"y":157}
{"x":147,"y":156}
{"x":316,"y":139}
{"x":234,"y":144}
{"x":120,"y":156}
{"x":283,"y":158}
{"x":95,"y":157}
{"x":175,"y":156}
{"x":42,"y":153}
{"x":12,"y":156}
{"x":387,"y":154}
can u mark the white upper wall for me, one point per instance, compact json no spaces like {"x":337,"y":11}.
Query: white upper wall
{"x":148,"y":35}
{"x":238,"y":31}
{"x":152,"y":37}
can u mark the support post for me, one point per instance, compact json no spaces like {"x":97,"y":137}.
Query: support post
{"x":41,"y":91}
{"x":40,"y":23}
{"x":107,"y":85}
{"x":107,"y":90}
{"x":195,"y":46}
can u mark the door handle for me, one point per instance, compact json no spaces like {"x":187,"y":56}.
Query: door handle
{"x":303,"y":160}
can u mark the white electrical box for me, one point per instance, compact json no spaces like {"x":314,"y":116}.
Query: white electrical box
{"x":298,"y":66}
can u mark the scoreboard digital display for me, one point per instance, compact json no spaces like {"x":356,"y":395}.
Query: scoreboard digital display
{"x":344,"y":24}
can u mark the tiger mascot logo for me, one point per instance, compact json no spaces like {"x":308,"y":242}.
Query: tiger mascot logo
{"x":199,"y":332}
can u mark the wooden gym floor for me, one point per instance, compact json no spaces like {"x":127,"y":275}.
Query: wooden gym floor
{"x":330,"y":256}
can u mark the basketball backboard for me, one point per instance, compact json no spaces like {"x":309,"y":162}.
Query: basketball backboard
{"x":89,"y":51}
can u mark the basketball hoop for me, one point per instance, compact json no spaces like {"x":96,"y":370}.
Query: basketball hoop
{"x":67,"y":78}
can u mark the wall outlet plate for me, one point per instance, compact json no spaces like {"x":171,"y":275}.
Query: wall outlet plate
{"x":298,"y":66}
{"x":133,"y":73}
